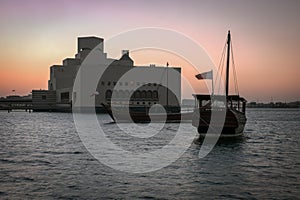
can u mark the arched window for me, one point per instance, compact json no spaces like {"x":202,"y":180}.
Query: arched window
{"x":137,"y":94}
{"x":121,"y":94}
{"x":126,"y":93}
{"x":116,"y":94}
{"x":143,"y":94}
{"x":155,"y":94}
{"x":108,"y":94}
{"x":149,"y":94}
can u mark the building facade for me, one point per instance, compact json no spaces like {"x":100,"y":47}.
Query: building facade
{"x":143,"y":94}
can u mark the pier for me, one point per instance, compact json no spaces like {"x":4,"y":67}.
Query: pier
{"x":16,"y":104}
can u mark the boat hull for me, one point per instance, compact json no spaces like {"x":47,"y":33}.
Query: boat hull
{"x":233,"y":125}
{"x":144,"y":117}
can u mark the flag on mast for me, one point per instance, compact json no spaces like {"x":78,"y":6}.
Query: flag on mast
{"x":205,"y":75}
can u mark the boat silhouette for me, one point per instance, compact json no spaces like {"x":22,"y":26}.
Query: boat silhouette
{"x":232,"y":107}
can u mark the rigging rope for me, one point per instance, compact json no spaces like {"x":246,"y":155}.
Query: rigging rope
{"x":221,"y":68}
{"x":236,"y":87}
{"x":221,"y":64}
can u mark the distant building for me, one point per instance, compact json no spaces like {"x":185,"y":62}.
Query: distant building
{"x":44,"y":100}
{"x":14,"y":97}
{"x":62,"y":79}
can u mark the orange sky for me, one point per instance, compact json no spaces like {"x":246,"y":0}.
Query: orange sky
{"x":36,"y":35}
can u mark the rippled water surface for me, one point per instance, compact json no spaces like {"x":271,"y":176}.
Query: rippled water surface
{"x":42,"y":157}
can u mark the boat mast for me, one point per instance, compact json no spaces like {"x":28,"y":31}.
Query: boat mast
{"x":227,"y":63}
{"x":167,"y":87}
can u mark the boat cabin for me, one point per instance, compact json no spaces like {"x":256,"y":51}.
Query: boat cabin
{"x":235,"y":102}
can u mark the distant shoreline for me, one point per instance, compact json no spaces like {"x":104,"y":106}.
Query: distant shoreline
{"x":295,"y":104}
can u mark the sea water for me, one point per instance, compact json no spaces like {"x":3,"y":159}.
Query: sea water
{"x":42,"y":157}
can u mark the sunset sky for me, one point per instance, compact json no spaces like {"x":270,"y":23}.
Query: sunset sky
{"x":36,"y":34}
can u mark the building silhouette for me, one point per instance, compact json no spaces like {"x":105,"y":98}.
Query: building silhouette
{"x":60,"y":93}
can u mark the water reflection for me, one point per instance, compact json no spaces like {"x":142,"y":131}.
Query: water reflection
{"x":43,"y":157}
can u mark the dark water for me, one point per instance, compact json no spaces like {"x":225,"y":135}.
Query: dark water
{"x":42,"y":157}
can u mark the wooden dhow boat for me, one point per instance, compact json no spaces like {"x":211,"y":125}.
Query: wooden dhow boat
{"x":232,"y":107}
